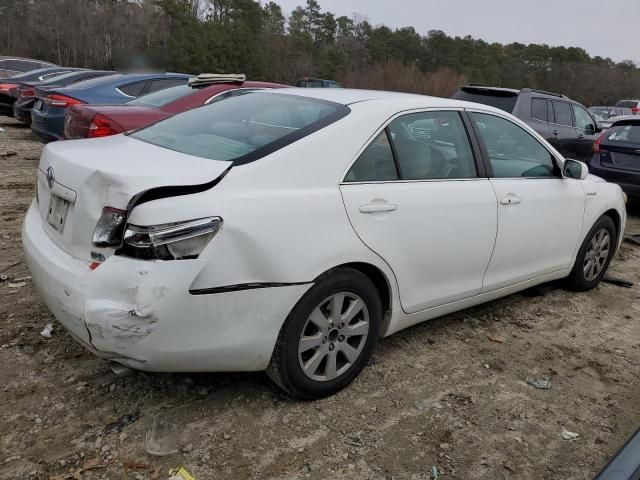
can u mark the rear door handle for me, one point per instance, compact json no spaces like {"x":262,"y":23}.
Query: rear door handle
{"x":510,"y":200}
{"x":555,"y":132}
{"x":377,"y":207}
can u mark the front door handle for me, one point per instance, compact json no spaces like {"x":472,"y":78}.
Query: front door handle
{"x":510,"y":200}
{"x":377,"y":207}
{"x":581,"y":136}
{"x":555,"y":132}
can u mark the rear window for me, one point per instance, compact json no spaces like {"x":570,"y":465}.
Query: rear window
{"x":162,"y":97}
{"x":623,"y":136}
{"x":627,"y":104}
{"x":243,"y":128}
{"x":495,"y":98}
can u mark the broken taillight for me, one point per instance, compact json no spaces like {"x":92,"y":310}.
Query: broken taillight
{"x":110,"y":228}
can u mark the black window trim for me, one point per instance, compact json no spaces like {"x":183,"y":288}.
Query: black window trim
{"x":481,"y":172}
{"x":485,"y":152}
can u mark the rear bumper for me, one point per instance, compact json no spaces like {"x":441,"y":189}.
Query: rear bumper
{"x":628,"y":180}
{"x":47,"y":127}
{"x":22,"y":112}
{"x":141,"y":314}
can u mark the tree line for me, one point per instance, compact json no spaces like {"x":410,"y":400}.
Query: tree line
{"x":259,"y":39}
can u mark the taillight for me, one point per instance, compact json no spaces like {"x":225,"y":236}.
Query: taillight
{"x":56,"y":100}
{"x":596,"y":144}
{"x":635,"y":110}
{"x":26,"y":92}
{"x":110,"y":228}
{"x":7,"y":87}
{"x":172,"y":241}
{"x":102,"y":126}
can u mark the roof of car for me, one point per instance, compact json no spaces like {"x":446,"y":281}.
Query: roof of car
{"x":626,"y":120}
{"x":120,"y":78}
{"x":349,"y":96}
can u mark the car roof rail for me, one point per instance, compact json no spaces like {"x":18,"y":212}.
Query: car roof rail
{"x":211,"y":78}
{"x":544,"y":92}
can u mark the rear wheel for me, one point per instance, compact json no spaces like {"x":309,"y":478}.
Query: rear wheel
{"x":594,"y":255}
{"x":328,"y":336}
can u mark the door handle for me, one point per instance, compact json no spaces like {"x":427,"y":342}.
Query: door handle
{"x":555,"y":132}
{"x":377,"y":207}
{"x":510,"y":200}
{"x":581,"y":136}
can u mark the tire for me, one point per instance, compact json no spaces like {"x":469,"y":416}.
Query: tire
{"x":349,"y":342}
{"x":584,"y":277}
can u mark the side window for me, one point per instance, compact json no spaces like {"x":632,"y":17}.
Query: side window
{"x":583,"y":119}
{"x":133,"y":89}
{"x":375,"y":163}
{"x":563,"y":113}
{"x":513,"y":152}
{"x":165,"y":83}
{"x":539,"y":109}
{"x":432,"y":145}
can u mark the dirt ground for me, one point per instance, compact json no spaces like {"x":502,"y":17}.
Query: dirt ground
{"x":442,"y":394}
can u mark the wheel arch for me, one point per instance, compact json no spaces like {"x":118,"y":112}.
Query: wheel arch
{"x":617,"y":220}
{"x":382,"y":284}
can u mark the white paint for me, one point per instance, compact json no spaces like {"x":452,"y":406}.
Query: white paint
{"x":287,"y":218}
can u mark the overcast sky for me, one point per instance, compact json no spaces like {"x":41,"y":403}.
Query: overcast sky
{"x":609,"y":28}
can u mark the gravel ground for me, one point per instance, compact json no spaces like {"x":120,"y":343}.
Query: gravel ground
{"x":451,"y":393}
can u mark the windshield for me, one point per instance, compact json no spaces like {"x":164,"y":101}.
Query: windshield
{"x":495,"y":98}
{"x":242,"y":128}
{"x":623,"y":136}
{"x":162,"y":97}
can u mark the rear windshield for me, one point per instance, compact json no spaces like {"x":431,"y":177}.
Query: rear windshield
{"x":162,"y":97}
{"x":495,"y":98}
{"x":627,"y":104}
{"x":623,"y":136}
{"x":243,"y":128}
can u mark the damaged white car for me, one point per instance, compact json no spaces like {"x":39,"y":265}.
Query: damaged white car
{"x":289,"y":230}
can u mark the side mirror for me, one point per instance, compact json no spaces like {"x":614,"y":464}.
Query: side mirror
{"x":575,"y":169}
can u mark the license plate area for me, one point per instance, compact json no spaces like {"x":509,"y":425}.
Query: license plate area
{"x":57,"y":213}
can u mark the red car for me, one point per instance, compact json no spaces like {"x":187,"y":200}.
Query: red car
{"x":91,"y":121}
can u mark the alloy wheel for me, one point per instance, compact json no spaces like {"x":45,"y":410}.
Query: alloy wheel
{"x":333,"y":336}
{"x":597,"y":254}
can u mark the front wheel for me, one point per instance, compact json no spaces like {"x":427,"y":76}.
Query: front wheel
{"x":594,"y":255}
{"x":328,"y":336}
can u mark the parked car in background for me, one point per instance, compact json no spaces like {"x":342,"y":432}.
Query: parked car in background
{"x":564,"y":123}
{"x":317,"y":83}
{"x":634,"y":105}
{"x":288,"y":229}
{"x":27,"y":90}
{"x":9,"y":86}
{"x":616,"y":155}
{"x":90,"y":121}
{"x":604,"y":115}
{"x":10,"y":66}
{"x":625,"y":465}
{"x":47,"y":115}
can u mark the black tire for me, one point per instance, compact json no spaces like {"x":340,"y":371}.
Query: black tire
{"x":577,"y":280}
{"x":285,"y":367}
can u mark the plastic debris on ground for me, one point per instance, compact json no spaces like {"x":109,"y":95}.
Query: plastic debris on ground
{"x":180,"y":473}
{"x":434,"y":473}
{"x":633,"y":238}
{"x":46,"y":333}
{"x":543,"y":383}
{"x":160,"y":437}
{"x":567,"y":435}
{"x":16,"y":284}
{"x":621,"y":282}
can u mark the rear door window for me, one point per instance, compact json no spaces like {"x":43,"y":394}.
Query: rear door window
{"x":133,"y":89}
{"x":539,"y":109}
{"x":562,"y":113}
{"x":376,"y":163}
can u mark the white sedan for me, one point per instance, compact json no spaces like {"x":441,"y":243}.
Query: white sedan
{"x":289,"y":230}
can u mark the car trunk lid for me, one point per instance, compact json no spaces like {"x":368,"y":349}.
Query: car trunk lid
{"x":620,"y":147}
{"x":76,"y":180}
